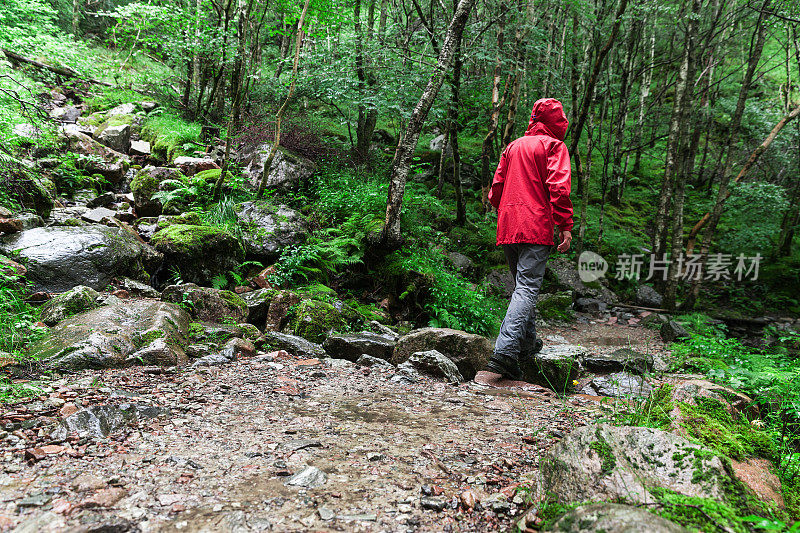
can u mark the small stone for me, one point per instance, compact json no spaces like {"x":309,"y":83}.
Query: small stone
{"x":310,"y":477}
{"x":433,"y":504}
{"x":326,"y":514}
{"x":375,"y":456}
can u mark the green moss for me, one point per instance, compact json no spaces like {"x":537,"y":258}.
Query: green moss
{"x":185,"y":237}
{"x":211,"y":175}
{"x":191,"y":218}
{"x":603,"y":449}
{"x":556,"y":306}
{"x":319,"y":292}
{"x":712,"y":424}
{"x":143,"y":339}
{"x":233,"y":299}
{"x":313,"y":320}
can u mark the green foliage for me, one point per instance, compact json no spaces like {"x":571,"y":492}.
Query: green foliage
{"x":18,"y":319}
{"x":171,"y":136}
{"x":449,"y":300}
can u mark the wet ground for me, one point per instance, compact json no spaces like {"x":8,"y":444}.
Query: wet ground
{"x":374,"y":454}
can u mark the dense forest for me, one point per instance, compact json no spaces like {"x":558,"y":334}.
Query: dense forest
{"x":236,"y":188}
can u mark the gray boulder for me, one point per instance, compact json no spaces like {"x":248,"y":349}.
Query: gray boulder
{"x":267,"y":229}
{"x":207,"y":304}
{"x":469,"y":352}
{"x":60,"y":258}
{"x":436,"y":364}
{"x":258,"y":303}
{"x":590,"y":305}
{"x":500,"y":282}
{"x":368,"y":360}
{"x":146,"y":183}
{"x":618,"y":360}
{"x":66,"y":115}
{"x":619,"y":385}
{"x":102,"y":200}
{"x":70,"y":303}
{"x":287,"y":171}
{"x":671,"y":331}
{"x":613,"y":518}
{"x":110,"y":163}
{"x":117,"y":137}
{"x":463,"y":264}
{"x":110,"y":337}
{"x":647,"y":296}
{"x":564,"y":273}
{"x":622,"y":464}
{"x":352,"y":346}
{"x":293,"y":344}
{"x":555,"y":366}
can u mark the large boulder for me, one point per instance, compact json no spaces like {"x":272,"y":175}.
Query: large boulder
{"x":146,"y":183}
{"x":671,"y":331}
{"x":555,"y":306}
{"x":69,"y":303}
{"x":60,"y":258}
{"x":619,"y":385}
{"x":613,"y":518}
{"x":648,"y":296}
{"x":117,"y":335}
{"x":293,"y":344}
{"x":564,"y":273}
{"x":436,"y":364}
{"x":198,"y":253}
{"x":258,"y":303}
{"x":207,"y":304}
{"x":30,"y":191}
{"x":500,"y":282}
{"x":315,"y":320}
{"x":469,"y":352}
{"x":116,"y":136}
{"x":103,"y":160}
{"x":352,"y":346}
{"x":267,"y":229}
{"x":618,"y":360}
{"x":554,"y":366}
{"x":624,"y":464}
{"x":286,"y":172}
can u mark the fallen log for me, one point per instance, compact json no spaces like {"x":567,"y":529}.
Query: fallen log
{"x":61,"y":71}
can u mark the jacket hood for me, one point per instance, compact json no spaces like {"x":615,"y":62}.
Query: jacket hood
{"x":548,"y":118}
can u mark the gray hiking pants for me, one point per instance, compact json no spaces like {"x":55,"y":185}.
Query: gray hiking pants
{"x":518,"y":331}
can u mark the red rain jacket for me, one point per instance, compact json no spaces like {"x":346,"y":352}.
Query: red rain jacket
{"x":532,"y":184}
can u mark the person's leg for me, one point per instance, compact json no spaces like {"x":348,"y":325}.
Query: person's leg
{"x":530,"y":265}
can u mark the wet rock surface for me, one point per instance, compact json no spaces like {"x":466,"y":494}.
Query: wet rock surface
{"x":267,"y":230}
{"x":353,"y":346}
{"x":60,"y":258}
{"x":112,"y":335}
{"x":613,"y":518}
{"x":469,"y":352}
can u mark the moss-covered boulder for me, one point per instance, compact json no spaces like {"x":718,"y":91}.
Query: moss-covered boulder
{"x":30,"y":191}
{"x":117,"y":335}
{"x":268,"y":229}
{"x":555,"y":366}
{"x":146,"y":183}
{"x":555,"y":306}
{"x":111,"y":164}
{"x":198,"y":253}
{"x":315,"y":320}
{"x":207,"y":304}
{"x":69,"y":303}
{"x":258,"y":303}
{"x":612,"y":518}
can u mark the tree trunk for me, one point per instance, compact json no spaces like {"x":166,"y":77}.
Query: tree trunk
{"x":390,"y":235}
{"x":487,"y":147}
{"x":644,"y":93}
{"x":279,"y":116}
{"x":756,"y":49}
{"x":455,"y":86}
{"x":588,"y":94}
{"x":76,"y":16}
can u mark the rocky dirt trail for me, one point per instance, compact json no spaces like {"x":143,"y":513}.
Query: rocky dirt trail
{"x":279,"y":443}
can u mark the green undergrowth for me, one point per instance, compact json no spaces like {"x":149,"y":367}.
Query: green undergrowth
{"x":170,"y":135}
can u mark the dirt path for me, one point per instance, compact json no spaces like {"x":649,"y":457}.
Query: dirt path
{"x":393,"y":456}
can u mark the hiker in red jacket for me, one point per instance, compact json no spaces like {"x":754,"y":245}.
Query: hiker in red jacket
{"x":530,"y":191}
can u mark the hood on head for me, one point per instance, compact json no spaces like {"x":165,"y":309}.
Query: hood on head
{"x":548,"y":118}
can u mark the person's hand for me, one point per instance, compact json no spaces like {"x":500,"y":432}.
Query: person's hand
{"x":566,"y":240}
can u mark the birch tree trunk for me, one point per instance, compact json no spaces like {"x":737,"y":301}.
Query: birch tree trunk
{"x":390,"y":235}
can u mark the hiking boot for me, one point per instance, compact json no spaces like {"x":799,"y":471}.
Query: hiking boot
{"x":506,"y":366}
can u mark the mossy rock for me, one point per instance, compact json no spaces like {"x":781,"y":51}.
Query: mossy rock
{"x":147,"y":182}
{"x":313,"y":320}
{"x":191,"y":218}
{"x":207,"y":304}
{"x":199,"y":253}
{"x":319,"y":292}
{"x":119,"y":120}
{"x":211,"y":175}
{"x":555,"y":306}
{"x":69,"y":303}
